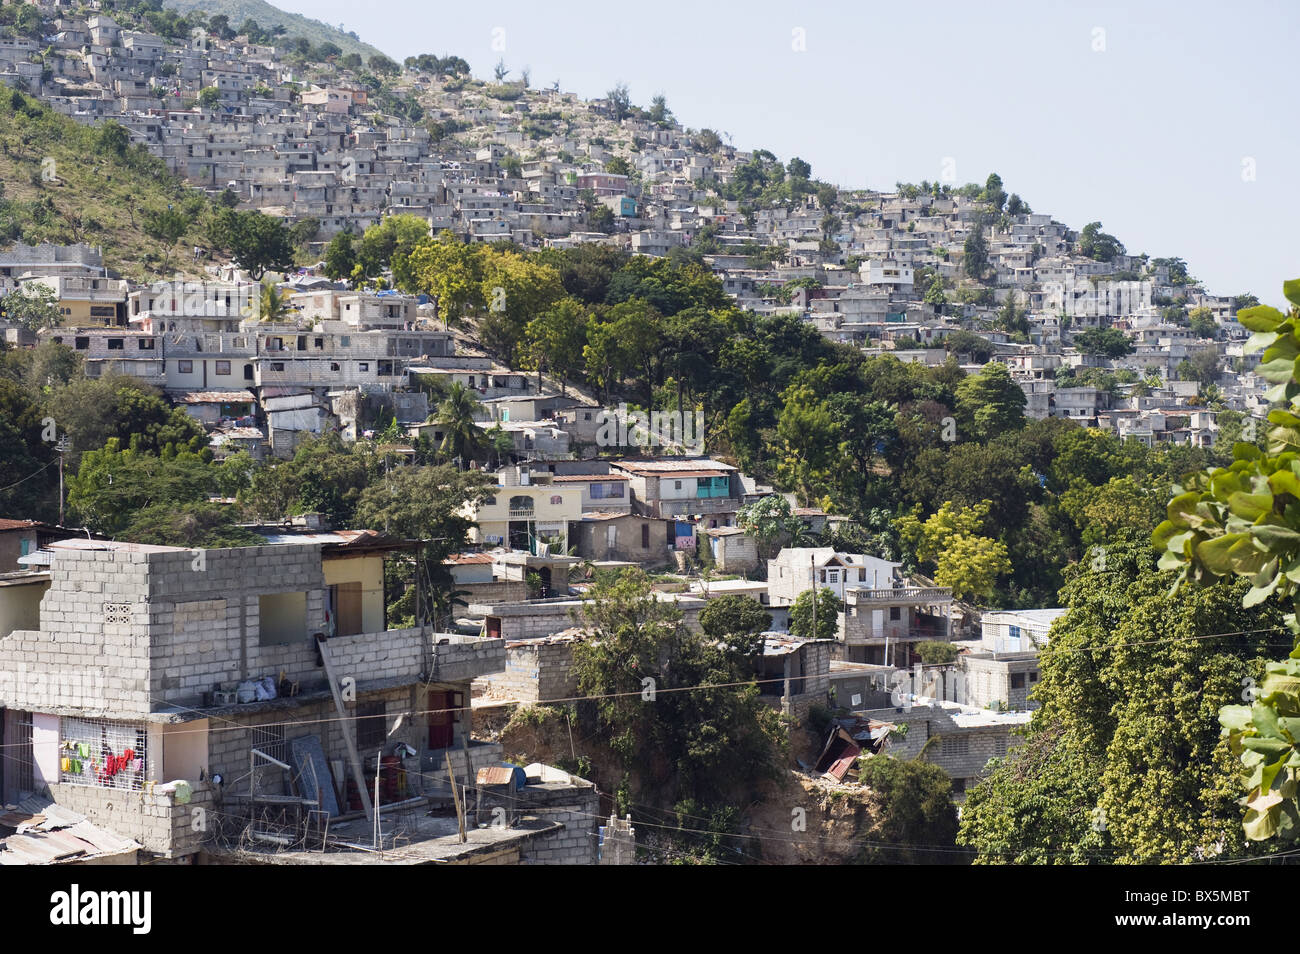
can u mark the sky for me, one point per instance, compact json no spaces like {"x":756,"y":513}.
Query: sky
{"x":1171,"y":123}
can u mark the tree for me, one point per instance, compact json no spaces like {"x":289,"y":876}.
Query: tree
{"x":340,"y":257}
{"x":1108,"y":342}
{"x":822,"y":625}
{"x":934,"y":294}
{"x":515,"y":289}
{"x":993,"y":192}
{"x":737,"y":621}
{"x":257,"y":242}
{"x":707,"y":141}
{"x":798,"y":169}
{"x":618,"y":166}
{"x":1244,"y":521}
{"x":771,"y":522}
{"x":916,"y":808}
{"x":990,"y":403}
{"x":556,"y":338}
{"x":425,"y":503}
{"x":950,"y":537}
{"x":34,"y":306}
{"x":660,"y":114}
{"x":1202,"y":323}
{"x":389,"y":244}
{"x":272,"y":304}
{"x":1130,"y":680}
{"x":976,"y":252}
{"x":382,"y":65}
{"x":112,"y":139}
{"x":620,"y":103}
{"x":462,"y":437}
{"x":91,"y":411}
{"x":449,"y":271}
{"x":167,"y":226}
{"x":1098,"y":245}
{"x":209,"y":97}
{"x":113,"y":485}
{"x":709,"y":746}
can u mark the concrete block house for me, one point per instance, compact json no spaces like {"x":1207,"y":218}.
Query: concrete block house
{"x":187,"y":699}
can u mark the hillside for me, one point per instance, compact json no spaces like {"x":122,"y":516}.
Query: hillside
{"x":63,"y":182}
{"x":295,"y":24}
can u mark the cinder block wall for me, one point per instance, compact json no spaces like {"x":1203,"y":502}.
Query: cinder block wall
{"x":92,"y":651}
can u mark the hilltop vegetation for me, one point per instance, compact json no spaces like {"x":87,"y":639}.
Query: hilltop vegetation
{"x":238,"y":12}
{"x":63,"y":182}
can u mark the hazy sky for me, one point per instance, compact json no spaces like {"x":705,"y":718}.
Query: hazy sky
{"x":1172,"y":123}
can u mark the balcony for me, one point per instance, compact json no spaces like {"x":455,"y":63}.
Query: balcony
{"x":902,"y":594}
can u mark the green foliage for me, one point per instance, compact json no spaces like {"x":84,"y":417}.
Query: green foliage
{"x":1098,"y":245}
{"x":1243,"y":521}
{"x":936,"y":653}
{"x":990,"y":403}
{"x":737,"y":621}
{"x":256,"y":241}
{"x":915,"y":808}
{"x":1109,"y":342}
{"x":950,"y":538}
{"x":34,"y":307}
{"x":712,"y":745}
{"x":1131,"y":681}
{"x":824,"y":624}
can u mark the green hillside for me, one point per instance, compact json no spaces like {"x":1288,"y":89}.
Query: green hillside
{"x":64,"y":182}
{"x":295,"y":24}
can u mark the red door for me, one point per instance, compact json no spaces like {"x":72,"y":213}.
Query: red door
{"x":442,"y":721}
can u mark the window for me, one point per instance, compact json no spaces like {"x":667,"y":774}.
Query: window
{"x":145,"y":344}
{"x":835,"y":576}
{"x":363,"y":366}
{"x":223,"y":367}
{"x":1033,"y":676}
{"x":115,"y":344}
{"x":614,"y":490}
{"x":955,"y":746}
{"x":597,"y":491}
{"x":1017,"y":680}
{"x":282,"y":618}
{"x":184,"y":367}
{"x":101,"y":753}
{"x":372,"y":730}
{"x":277,"y":365}
{"x":645,"y":536}
{"x":81,"y":343}
{"x":895,"y":613}
{"x":677,"y":485}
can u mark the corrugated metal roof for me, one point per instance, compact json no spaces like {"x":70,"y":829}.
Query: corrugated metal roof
{"x":47,"y":833}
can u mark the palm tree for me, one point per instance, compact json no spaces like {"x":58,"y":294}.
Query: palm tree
{"x":499,"y":443}
{"x":461,"y":436}
{"x":272,"y":305}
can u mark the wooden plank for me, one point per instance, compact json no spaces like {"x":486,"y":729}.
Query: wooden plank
{"x":346,"y":725}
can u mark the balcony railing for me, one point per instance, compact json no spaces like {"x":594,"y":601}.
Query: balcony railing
{"x":903,"y":594}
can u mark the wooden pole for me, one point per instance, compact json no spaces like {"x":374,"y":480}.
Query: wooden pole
{"x":455,"y":794}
